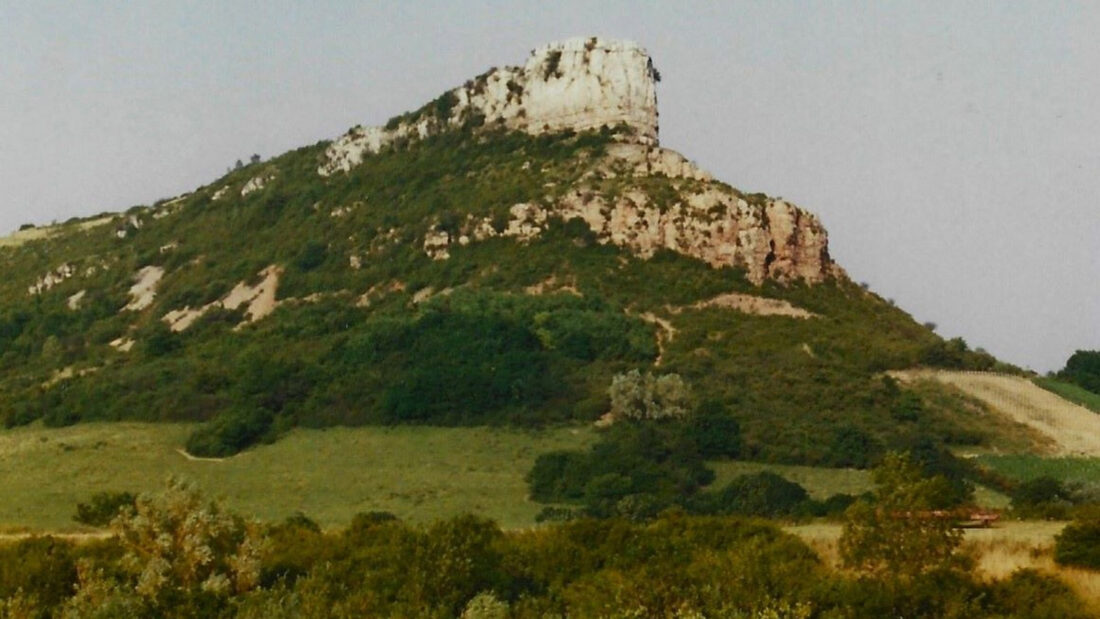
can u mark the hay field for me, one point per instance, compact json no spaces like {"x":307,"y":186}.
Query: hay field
{"x":1073,"y":429}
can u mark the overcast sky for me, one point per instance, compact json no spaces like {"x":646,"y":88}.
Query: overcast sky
{"x":951,"y":149}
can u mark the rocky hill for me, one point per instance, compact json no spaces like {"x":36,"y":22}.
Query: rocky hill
{"x":497,"y":256}
{"x":585,"y":85}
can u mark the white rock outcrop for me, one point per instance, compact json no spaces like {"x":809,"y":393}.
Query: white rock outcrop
{"x":769,"y":238}
{"x":582,"y":84}
{"x":259,"y":301}
{"x":575,"y":84}
{"x":144,"y":289}
{"x":51,"y":279}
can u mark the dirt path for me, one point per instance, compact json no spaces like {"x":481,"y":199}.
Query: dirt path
{"x":1074,"y":429}
{"x":666,"y":333}
{"x":183,"y":452}
{"x":80,"y":537}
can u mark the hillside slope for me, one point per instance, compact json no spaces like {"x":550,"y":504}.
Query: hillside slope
{"x":1071,"y":429}
{"x":495,"y":257}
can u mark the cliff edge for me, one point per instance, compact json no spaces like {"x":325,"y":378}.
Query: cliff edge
{"x":584,"y":84}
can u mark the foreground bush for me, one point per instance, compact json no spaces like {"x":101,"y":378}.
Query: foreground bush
{"x":1079,"y":544}
{"x":178,"y":555}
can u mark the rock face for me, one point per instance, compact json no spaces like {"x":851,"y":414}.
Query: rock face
{"x":583,"y":84}
{"x":575,"y":84}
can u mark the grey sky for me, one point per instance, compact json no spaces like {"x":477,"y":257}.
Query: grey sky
{"x":951,"y":149}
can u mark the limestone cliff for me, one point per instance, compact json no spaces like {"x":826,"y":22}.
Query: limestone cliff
{"x":768,"y":238}
{"x":583,"y":84}
{"x":575,"y":84}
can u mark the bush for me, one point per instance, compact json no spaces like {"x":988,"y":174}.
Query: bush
{"x":763,"y":494}
{"x":635,"y":471}
{"x":41,"y":568}
{"x":230,"y":433}
{"x":638,"y":397}
{"x":1044,"y":497}
{"x":1083,"y":368}
{"x":103,"y":507}
{"x":1079,"y":544}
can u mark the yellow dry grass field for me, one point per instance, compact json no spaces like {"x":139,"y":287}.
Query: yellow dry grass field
{"x":998,"y":551}
{"x":1074,"y":430}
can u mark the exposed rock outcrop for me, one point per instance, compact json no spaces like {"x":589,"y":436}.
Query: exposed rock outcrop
{"x":583,"y":84}
{"x":576,"y":84}
{"x":258,"y":300}
{"x":768,"y":238}
{"x":144,"y":289}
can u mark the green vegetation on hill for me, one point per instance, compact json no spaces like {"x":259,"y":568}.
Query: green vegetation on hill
{"x":400,"y":338}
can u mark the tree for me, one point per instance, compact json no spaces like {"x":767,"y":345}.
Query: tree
{"x":1083,"y":368}
{"x":899,"y":535}
{"x":178,"y":550}
{"x":637,"y":397}
{"x":254,"y":159}
{"x":1079,"y":543}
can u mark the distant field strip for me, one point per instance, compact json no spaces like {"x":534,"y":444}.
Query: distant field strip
{"x":1074,"y":429}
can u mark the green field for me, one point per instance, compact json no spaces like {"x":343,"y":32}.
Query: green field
{"x":1071,"y":392}
{"x":1025,"y":467}
{"x":417,"y":473}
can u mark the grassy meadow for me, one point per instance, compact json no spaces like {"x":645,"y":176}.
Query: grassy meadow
{"x":1024,"y":467}
{"x":1071,"y":392}
{"x":418,"y":473}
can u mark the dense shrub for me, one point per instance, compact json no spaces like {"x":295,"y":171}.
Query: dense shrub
{"x":762,"y":494}
{"x":1043,"y":497}
{"x":713,"y":431}
{"x":177,"y":555}
{"x":1079,"y":544}
{"x":230,"y":433}
{"x":1083,"y":369}
{"x":103,"y":507}
{"x":636,"y":470}
{"x":41,"y":568}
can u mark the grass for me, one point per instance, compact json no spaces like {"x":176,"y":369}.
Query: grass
{"x":417,"y":473}
{"x":1071,"y":392}
{"x":1027,"y":467}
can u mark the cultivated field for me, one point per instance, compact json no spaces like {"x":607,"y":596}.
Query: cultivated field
{"x":419,"y":474}
{"x":1074,"y":429}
